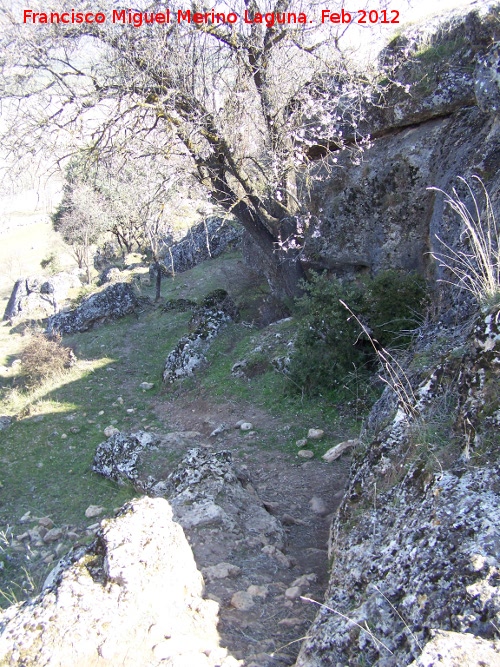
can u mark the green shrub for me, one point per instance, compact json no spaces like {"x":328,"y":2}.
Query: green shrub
{"x":393,"y":306}
{"x":324,"y":350}
{"x":52,"y":263}
{"x":331,"y":353}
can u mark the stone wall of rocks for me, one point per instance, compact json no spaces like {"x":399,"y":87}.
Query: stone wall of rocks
{"x":206,"y":240}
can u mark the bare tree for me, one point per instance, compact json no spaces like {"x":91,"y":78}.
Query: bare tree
{"x":241,"y":98}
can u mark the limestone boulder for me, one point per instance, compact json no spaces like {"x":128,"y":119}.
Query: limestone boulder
{"x":114,"y":302}
{"x":133,"y":598}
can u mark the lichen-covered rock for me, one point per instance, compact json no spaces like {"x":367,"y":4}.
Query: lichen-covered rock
{"x":421,"y":559}
{"x":487,"y":83}
{"x":208,"y":239}
{"x":453,"y":649}
{"x":414,"y":550}
{"x":113,"y":302}
{"x":141,"y":458}
{"x":216,"y":310}
{"x":204,"y":489}
{"x":34,"y":297}
{"x":133,"y":598}
{"x":206,"y":493}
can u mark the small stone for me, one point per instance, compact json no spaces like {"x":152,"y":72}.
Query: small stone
{"x":25,"y":517}
{"x":130,"y":410}
{"x":64,"y":436}
{"x":305,"y":580}
{"x":49,"y":559}
{"x":146,"y":386}
{"x":93,"y":510}
{"x":100,"y":413}
{"x":301,"y":443}
{"x":293,"y":593}
{"x":110,"y":430}
{"x":46,"y":522}
{"x":289,"y":520}
{"x":246,"y":426}
{"x":239,"y":423}
{"x":220,"y":429}
{"x":75,"y":429}
{"x":22,"y":537}
{"x":258,"y":591}
{"x":221,"y":571}
{"x":318,"y":506}
{"x":305,"y":453}
{"x":119,"y":400}
{"x":278,"y":555}
{"x":52,"y":535}
{"x":242,"y":600}
{"x":72,"y":536}
{"x":42,"y":531}
{"x":315,"y":434}
{"x":334,"y":452}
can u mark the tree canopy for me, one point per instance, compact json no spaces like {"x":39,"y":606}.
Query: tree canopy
{"x":241,"y":101}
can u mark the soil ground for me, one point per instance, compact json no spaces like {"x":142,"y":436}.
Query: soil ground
{"x":270,"y":632}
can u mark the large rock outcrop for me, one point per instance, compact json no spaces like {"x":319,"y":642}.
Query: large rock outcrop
{"x":206,"y":240}
{"x":415,"y":547}
{"x":111,"y":303}
{"x":435,"y":119}
{"x":134,"y":598}
{"x":39,"y":297}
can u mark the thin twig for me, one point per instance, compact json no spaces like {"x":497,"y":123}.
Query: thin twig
{"x":334,"y":611}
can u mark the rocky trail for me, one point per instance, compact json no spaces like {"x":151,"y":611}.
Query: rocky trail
{"x":270,"y":548}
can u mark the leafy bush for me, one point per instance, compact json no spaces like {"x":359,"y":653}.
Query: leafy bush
{"x":331,"y":352}
{"x":43,"y":358}
{"x":393,"y":306}
{"x":51,"y":262}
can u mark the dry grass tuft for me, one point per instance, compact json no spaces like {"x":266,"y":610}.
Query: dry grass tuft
{"x":43,"y":358}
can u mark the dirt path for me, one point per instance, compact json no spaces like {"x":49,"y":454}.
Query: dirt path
{"x":265,"y":621}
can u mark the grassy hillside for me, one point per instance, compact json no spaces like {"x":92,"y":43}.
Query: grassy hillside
{"x":47,"y":452}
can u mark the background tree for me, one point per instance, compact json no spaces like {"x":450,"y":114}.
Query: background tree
{"x":82,"y":224}
{"x":240,"y":100}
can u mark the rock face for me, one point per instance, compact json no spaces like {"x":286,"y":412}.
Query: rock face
{"x":34,"y":297}
{"x":208,"y":239}
{"x":436,"y":119}
{"x":133,"y":598}
{"x":414,"y":548}
{"x":216,"y":310}
{"x":110,"y":304}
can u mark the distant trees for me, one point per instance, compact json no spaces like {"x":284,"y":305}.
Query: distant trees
{"x":81,"y":223}
{"x":243,"y":101}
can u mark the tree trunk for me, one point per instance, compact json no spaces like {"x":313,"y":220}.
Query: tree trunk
{"x":281,"y":265}
{"x":157,"y":266}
